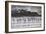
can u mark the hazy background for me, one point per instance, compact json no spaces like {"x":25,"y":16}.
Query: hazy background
{"x":28,"y":8}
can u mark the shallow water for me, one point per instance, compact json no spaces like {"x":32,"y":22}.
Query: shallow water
{"x":25,"y":22}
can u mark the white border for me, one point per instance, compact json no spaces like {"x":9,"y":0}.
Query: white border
{"x":11,"y":30}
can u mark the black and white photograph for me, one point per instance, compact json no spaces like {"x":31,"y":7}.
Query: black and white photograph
{"x":25,"y":16}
